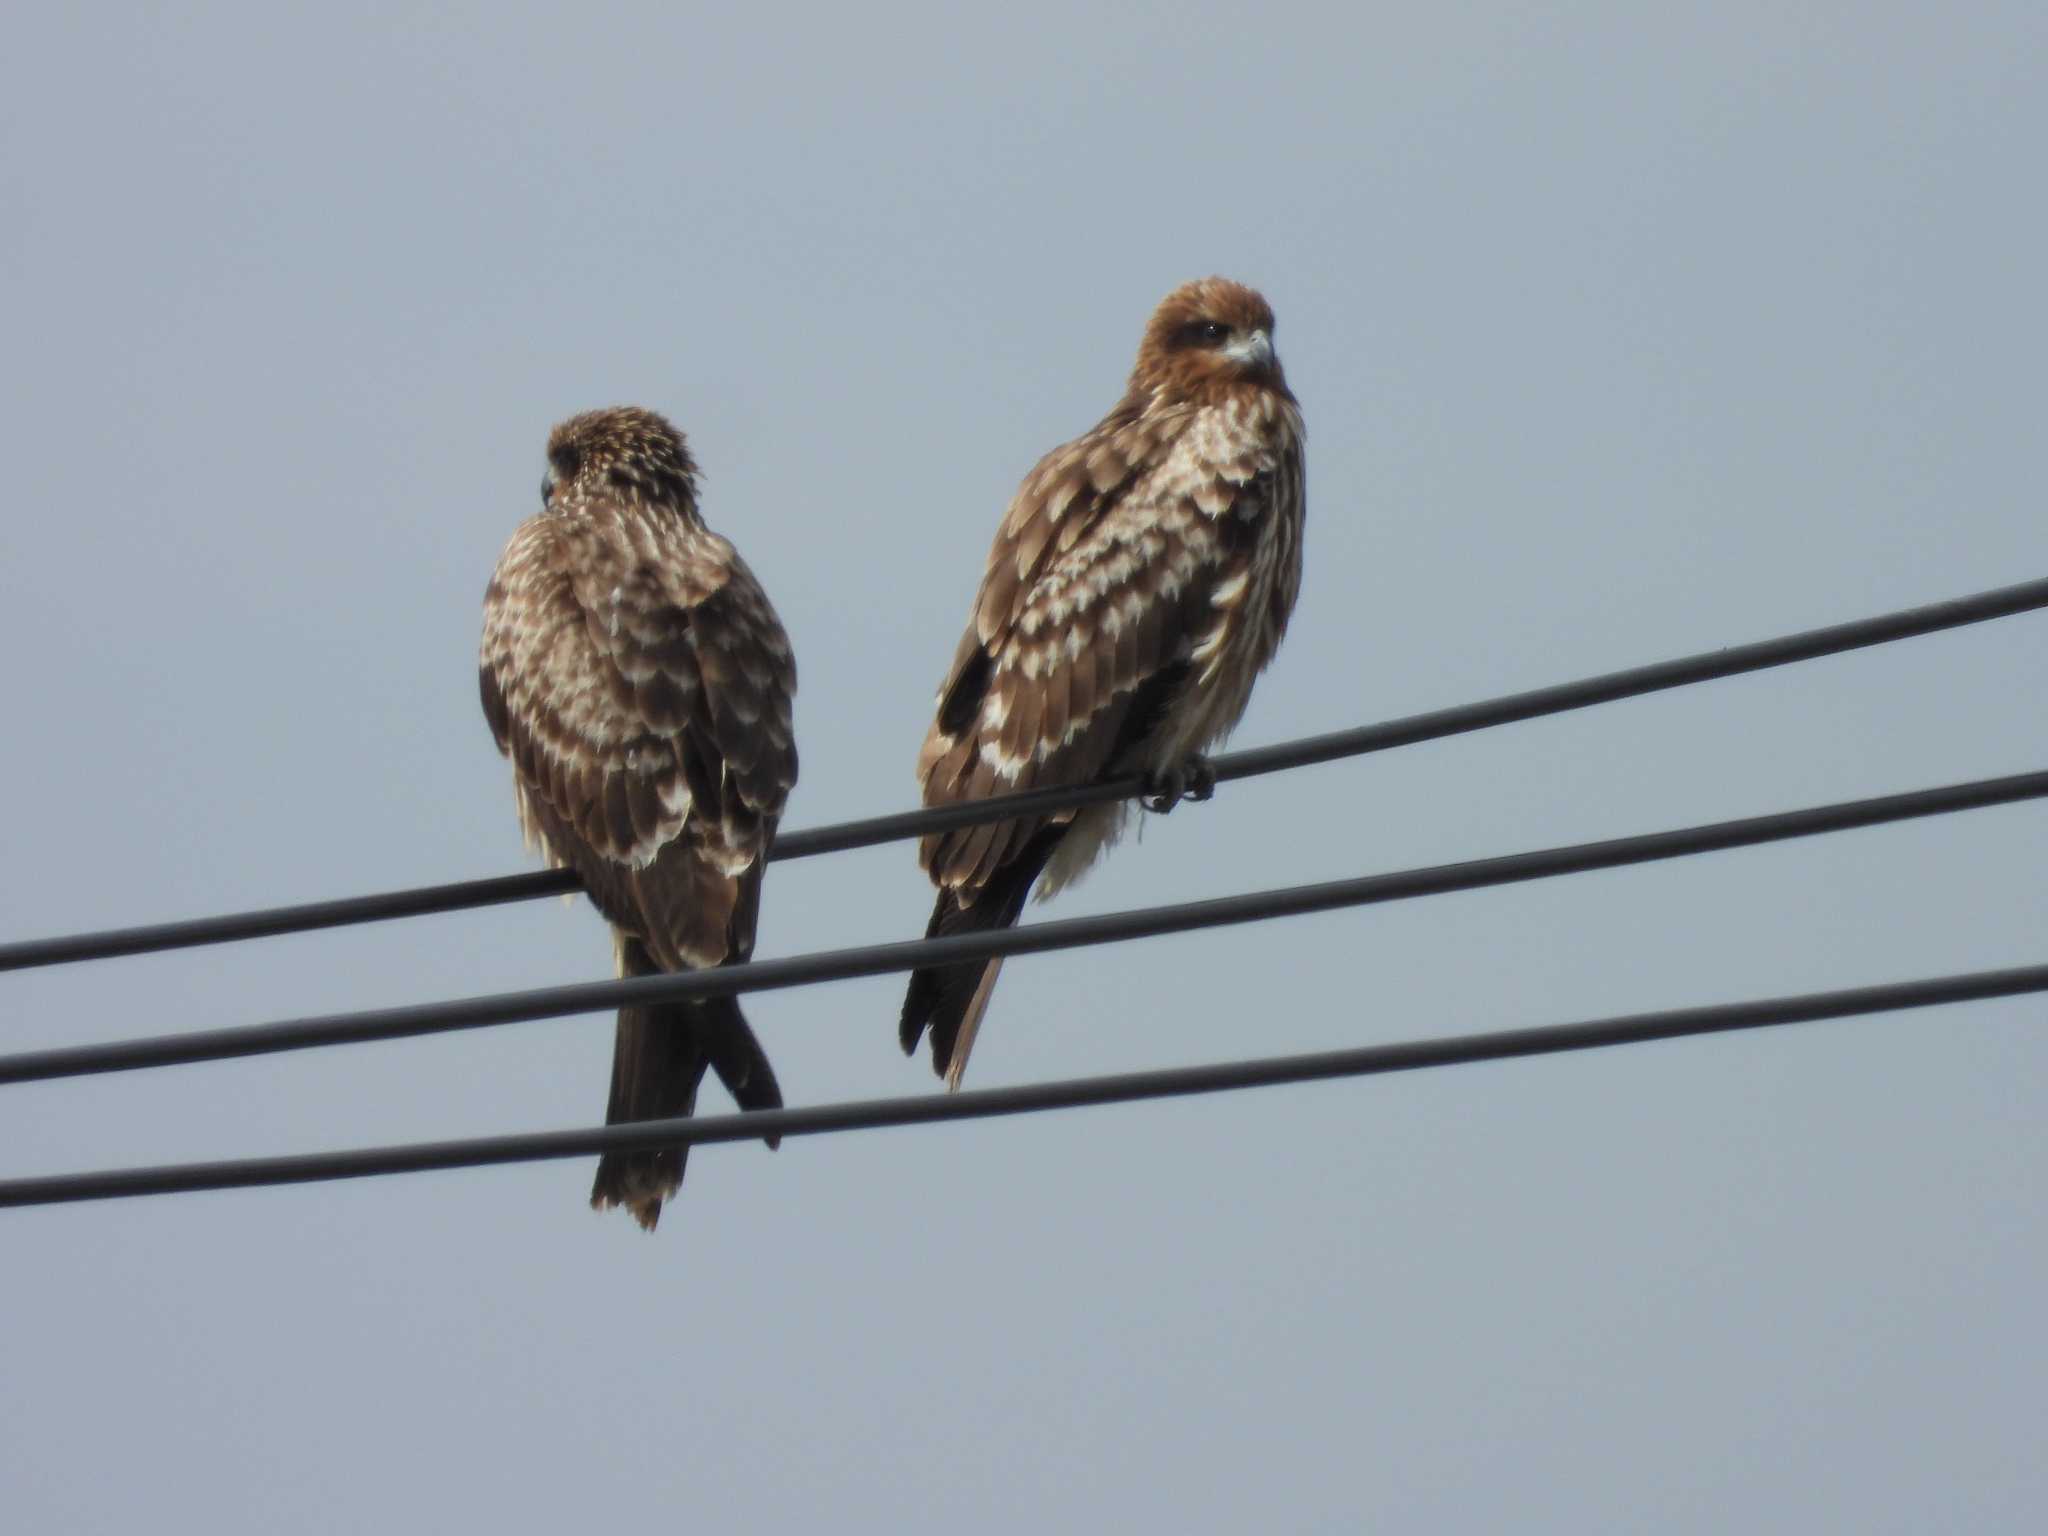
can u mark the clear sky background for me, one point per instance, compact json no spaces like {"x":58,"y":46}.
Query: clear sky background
{"x":1619,"y":336}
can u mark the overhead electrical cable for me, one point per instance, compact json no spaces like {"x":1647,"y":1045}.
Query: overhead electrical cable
{"x":1069,"y":933}
{"x":983,"y":1103}
{"x":2002,"y":602}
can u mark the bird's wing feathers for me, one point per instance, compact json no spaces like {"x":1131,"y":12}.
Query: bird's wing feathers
{"x":711,"y":671}
{"x":1102,"y":577}
{"x":643,"y":695}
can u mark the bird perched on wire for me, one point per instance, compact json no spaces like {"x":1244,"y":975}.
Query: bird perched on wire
{"x":1139,"y":583}
{"x":636,"y":675}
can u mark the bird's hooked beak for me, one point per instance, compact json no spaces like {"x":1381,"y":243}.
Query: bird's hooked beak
{"x":1254,"y":350}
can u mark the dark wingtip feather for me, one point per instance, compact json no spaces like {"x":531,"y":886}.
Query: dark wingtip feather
{"x":737,"y":1057}
{"x":939,"y":997}
{"x":921,"y":998}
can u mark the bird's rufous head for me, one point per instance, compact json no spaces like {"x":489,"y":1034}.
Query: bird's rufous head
{"x":1208,"y":336}
{"x":621,"y":453}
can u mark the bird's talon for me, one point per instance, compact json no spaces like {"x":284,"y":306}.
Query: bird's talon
{"x":1194,"y":779}
{"x":1165,"y":791}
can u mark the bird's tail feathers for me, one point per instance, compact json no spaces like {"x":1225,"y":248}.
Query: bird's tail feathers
{"x":951,"y":1000}
{"x":659,"y":1057}
{"x":970,"y":1024}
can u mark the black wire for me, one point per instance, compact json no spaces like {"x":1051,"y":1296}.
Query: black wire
{"x":1105,"y":928}
{"x":2002,"y":602}
{"x":983,"y":1103}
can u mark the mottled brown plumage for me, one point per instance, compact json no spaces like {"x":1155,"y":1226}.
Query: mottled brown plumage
{"x":636,"y":675}
{"x":1140,"y":581}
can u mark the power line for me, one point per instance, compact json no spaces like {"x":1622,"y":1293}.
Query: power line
{"x":1112,"y":927}
{"x":2002,"y":602}
{"x":984,"y":1103}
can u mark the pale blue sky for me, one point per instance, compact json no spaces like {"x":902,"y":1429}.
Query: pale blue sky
{"x":1619,"y":336}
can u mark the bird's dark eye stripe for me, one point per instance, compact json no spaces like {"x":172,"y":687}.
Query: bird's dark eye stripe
{"x":1201,"y":333}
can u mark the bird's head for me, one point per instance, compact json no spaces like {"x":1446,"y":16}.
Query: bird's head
{"x":1208,"y":337}
{"x":622,"y":453}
